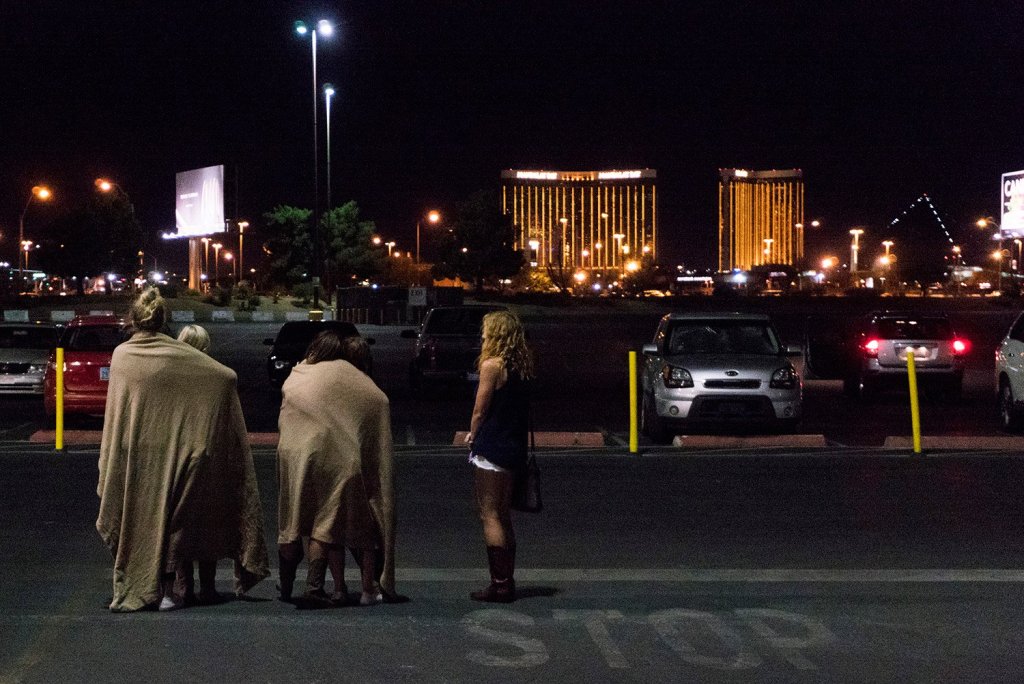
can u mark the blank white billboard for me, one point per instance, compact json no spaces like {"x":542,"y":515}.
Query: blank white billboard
{"x":199,"y":203}
{"x":1011,"y":203}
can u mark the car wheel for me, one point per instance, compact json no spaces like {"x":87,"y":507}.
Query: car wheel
{"x":651,"y":425}
{"x":1009,"y":414}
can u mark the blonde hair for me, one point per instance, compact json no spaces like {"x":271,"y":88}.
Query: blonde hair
{"x":149,"y":311}
{"x":195,"y":336}
{"x":505,"y":339}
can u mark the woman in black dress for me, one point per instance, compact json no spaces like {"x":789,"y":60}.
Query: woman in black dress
{"x":498,"y":443}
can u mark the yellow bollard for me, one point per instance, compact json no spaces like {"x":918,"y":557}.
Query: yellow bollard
{"x":915,"y":412}
{"x":634,"y":436}
{"x":59,"y":445}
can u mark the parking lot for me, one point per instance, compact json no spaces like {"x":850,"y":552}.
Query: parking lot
{"x":583,"y":383}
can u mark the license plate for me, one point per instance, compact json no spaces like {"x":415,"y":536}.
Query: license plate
{"x":922,"y":353}
{"x":104,"y":373}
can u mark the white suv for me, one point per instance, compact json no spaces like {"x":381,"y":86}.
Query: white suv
{"x":1010,"y":377}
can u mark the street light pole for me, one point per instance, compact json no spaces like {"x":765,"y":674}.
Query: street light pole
{"x":242,"y":225}
{"x":854,"y":250}
{"x":433,"y":216}
{"x":328,"y":94}
{"x":325,"y":29}
{"x":216,"y":263}
{"x":43,"y":193}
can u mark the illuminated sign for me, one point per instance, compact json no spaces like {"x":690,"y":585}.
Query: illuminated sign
{"x":199,"y":202}
{"x":740,"y":173}
{"x":617,"y":175}
{"x":537,"y":175}
{"x":1011,"y":202}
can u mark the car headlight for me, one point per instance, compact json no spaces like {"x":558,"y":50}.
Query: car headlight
{"x":784,"y":378}
{"x":676,"y":377}
{"x":36,"y":368}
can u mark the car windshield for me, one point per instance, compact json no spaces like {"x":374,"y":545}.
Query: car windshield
{"x":27,"y":338}
{"x":915,"y":329}
{"x":300,"y":334}
{"x":722,"y":337}
{"x":455,"y":321}
{"x":93,"y":338}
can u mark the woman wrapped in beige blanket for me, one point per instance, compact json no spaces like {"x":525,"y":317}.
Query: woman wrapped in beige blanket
{"x":176,"y":478}
{"x":335,"y":473}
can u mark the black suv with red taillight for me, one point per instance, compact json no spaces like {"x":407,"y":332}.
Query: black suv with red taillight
{"x":447,"y":345}
{"x":881,"y":345}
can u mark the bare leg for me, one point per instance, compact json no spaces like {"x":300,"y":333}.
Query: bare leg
{"x":494,"y":498}
{"x":494,"y":502}
{"x":368,"y":570}
{"x":336,"y":564}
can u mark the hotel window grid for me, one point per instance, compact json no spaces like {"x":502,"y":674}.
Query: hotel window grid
{"x":596,"y":206}
{"x":760,"y":214}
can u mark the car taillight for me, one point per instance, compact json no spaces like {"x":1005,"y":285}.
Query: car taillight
{"x":871,"y":347}
{"x":960,"y":346}
{"x":676,"y":377}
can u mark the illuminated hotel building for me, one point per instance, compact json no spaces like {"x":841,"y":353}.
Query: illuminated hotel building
{"x":592,"y":220}
{"x":760,"y":218}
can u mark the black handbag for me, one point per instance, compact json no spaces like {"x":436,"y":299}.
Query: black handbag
{"x":526,"y":490}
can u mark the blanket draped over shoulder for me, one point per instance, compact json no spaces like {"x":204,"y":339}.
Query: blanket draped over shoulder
{"x":335,"y":461}
{"x":176,"y":482}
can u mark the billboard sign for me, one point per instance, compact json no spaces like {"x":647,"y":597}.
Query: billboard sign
{"x":1011,"y":203}
{"x":199,"y":202}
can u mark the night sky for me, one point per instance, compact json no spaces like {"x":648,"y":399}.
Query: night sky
{"x":876,"y":102}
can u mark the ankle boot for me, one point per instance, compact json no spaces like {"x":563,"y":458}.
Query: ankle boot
{"x":502,"y":588}
{"x":286,"y":573}
{"x":316,"y":577}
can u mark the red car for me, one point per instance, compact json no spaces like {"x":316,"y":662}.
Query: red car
{"x":88,"y":343}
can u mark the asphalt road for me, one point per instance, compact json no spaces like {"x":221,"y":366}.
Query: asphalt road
{"x":842,"y":565}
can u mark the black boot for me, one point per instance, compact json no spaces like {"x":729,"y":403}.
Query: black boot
{"x":316,"y":577}
{"x":287,"y":565}
{"x":502,"y":588}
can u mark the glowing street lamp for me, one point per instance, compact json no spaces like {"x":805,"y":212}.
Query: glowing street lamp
{"x":888,"y":246}
{"x":376,"y":240}
{"x":216,"y":262}
{"x":325,"y":29}
{"x":230,"y":258}
{"x":433,"y":216}
{"x":43,"y":194}
{"x":242,"y":225}
{"x":854,"y":249}
{"x":26,"y":245}
{"x":768,"y":248}
{"x":390,"y":246}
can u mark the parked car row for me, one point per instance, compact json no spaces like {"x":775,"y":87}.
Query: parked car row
{"x":729,"y":369}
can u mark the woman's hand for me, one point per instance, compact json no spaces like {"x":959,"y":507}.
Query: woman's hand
{"x":469,"y":438}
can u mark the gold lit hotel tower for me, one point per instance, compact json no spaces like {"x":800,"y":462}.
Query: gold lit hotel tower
{"x":591,"y":220}
{"x":760,"y":218}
